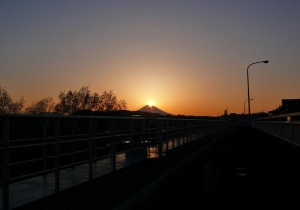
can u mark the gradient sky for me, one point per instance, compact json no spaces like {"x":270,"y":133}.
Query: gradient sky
{"x":187,"y":57}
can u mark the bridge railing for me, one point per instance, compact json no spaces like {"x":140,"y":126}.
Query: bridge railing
{"x":37,"y":145}
{"x":285,"y":126}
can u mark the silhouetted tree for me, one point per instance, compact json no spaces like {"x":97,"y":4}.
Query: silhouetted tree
{"x":122,"y":105}
{"x":7,"y":105}
{"x":74,"y":101}
{"x":44,"y":105}
{"x":108,"y":102}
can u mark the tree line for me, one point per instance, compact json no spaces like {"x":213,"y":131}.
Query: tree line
{"x":68,"y":103}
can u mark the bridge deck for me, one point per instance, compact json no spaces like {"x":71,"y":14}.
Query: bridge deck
{"x":252,"y":169}
{"x":257,"y":170}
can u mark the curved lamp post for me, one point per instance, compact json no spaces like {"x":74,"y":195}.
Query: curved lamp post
{"x":266,"y":61}
{"x":244,"y":105}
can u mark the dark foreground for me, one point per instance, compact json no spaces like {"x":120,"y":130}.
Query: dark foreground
{"x":252,"y":169}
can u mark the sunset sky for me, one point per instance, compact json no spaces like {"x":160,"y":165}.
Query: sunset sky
{"x":187,"y":57}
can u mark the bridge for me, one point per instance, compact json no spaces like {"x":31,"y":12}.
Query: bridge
{"x":89,"y":162}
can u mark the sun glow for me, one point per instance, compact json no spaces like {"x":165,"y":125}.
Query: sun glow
{"x":150,"y":103}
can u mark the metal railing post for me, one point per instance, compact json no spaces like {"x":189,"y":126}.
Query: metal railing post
{"x":95,"y":126}
{"x":72,"y":144}
{"x":184,"y":132}
{"x":131,"y":142}
{"x":57,"y":154}
{"x":143,"y":140}
{"x":160,"y":138}
{"x":113,"y":143}
{"x":173,"y":134}
{"x":292,"y":128}
{"x":167,"y":135}
{"x":45,"y":141}
{"x":197,"y":131}
{"x":189,"y":131}
{"x":179,"y":136}
{"x":5,"y":163}
{"x":90,"y":148}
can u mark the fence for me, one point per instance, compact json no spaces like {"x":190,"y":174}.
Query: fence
{"x":39,"y":145}
{"x":286,"y":126}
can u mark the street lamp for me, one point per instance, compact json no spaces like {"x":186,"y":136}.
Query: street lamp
{"x":266,"y":61}
{"x":244,"y":105}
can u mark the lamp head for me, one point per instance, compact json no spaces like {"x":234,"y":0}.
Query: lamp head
{"x":266,"y":61}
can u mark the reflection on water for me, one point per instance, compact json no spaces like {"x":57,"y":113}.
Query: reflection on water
{"x":42,"y":186}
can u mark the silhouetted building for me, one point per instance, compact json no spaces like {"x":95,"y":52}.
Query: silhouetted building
{"x":287,"y":106}
{"x":291,"y":105}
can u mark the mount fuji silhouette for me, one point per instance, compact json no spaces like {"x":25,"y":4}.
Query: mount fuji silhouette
{"x":146,"y":111}
{"x":152,"y":109}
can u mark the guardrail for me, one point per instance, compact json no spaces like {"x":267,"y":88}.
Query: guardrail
{"x":285,"y":126}
{"x":37,"y":145}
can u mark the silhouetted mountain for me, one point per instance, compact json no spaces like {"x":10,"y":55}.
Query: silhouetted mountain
{"x":153,"y":109}
{"x":119,"y":113}
{"x":153,"y":113}
{"x":146,"y":111}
